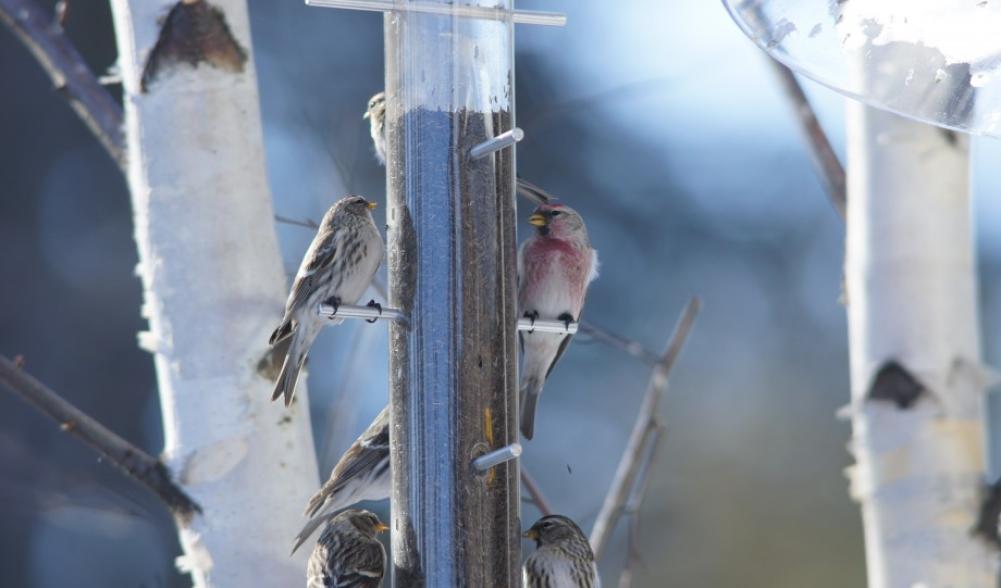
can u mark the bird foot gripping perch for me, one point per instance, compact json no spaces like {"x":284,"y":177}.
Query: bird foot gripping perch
{"x":370,"y":313}
{"x":536,"y":325}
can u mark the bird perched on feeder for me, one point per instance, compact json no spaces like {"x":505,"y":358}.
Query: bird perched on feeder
{"x":555,"y":267}
{"x":362,"y":473}
{"x":348,"y":554}
{"x":562,"y":558}
{"x":337,"y":268}
{"x":376,"y":115}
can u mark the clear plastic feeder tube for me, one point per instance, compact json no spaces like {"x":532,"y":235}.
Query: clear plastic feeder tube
{"x":451,"y":254}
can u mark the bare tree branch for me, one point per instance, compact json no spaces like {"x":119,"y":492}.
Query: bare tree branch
{"x":651,"y":444}
{"x":42,"y":33}
{"x":825,"y":160}
{"x":307,"y":224}
{"x":628,"y":346}
{"x":538,"y":499}
{"x":632,"y":457}
{"x":631,"y":509}
{"x":135,"y":462}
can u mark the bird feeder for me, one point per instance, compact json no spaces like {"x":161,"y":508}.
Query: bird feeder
{"x":936,"y":61}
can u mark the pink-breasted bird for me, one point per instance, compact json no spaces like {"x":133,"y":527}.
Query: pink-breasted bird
{"x":555,"y":267}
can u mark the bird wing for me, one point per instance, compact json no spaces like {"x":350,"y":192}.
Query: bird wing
{"x":363,"y":456}
{"x":319,"y":257}
{"x":559,"y":353}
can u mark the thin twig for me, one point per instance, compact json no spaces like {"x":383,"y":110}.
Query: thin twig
{"x":40,"y":31}
{"x":632,"y":553}
{"x":629,"y":346}
{"x":825,"y":160}
{"x":308,"y":224}
{"x":651,"y":444}
{"x":135,"y":462}
{"x":632,"y":457}
{"x":538,"y":499}
{"x":534,"y":193}
{"x":631,"y":509}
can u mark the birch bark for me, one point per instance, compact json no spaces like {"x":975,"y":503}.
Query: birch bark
{"x":917,"y":384}
{"x":213,"y":286}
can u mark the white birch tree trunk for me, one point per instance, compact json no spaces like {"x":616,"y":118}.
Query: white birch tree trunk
{"x":912,"y":299}
{"x":214,"y":288}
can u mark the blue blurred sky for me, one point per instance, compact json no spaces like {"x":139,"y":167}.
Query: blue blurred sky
{"x":658,"y":121}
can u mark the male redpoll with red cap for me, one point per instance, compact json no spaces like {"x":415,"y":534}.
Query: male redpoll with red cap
{"x":555,"y":267}
{"x":562,"y":558}
{"x":337,"y":268}
{"x":362,"y":473}
{"x":348,"y":554}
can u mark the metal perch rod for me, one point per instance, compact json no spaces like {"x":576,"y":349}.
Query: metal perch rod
{"x":499,"y":142}
{"x":545,"y":326}
{"x":549,"y":19}
{"x":372,"y":313}
{"x":497,"y":457}
{"x":350,"y":311}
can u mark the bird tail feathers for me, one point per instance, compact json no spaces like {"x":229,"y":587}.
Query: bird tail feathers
{"x":282,"y":332}
{"x":530,"y":392}
{"x":285,"y":385}
{"x":308,"y":529}
{"x":317,"y":501}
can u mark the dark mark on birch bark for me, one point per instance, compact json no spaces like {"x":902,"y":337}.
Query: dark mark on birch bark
{"x":951,"y":138}
{"x":893,"y":383}
{"x":193,"y":32}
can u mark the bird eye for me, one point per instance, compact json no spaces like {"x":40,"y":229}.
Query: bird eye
{"x":555,"y":213}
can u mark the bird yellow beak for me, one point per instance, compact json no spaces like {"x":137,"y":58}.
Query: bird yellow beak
{"x":366,"y":115}
{"x":531,"y":534}
{"x":372,"y":205}
{"x":538,"y":220}
{"x":382,"y":527}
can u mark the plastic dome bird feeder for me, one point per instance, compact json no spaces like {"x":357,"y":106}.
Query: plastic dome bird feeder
{"x":937,"y":61}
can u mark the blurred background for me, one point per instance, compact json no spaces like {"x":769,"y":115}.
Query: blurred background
{"x":659,"y":122}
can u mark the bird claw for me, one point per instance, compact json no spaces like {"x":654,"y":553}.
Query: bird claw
{"x":566,"y":318}
{"x":532,"y":316}
{"x":373,"y":304}
{"x":335,"y":303}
